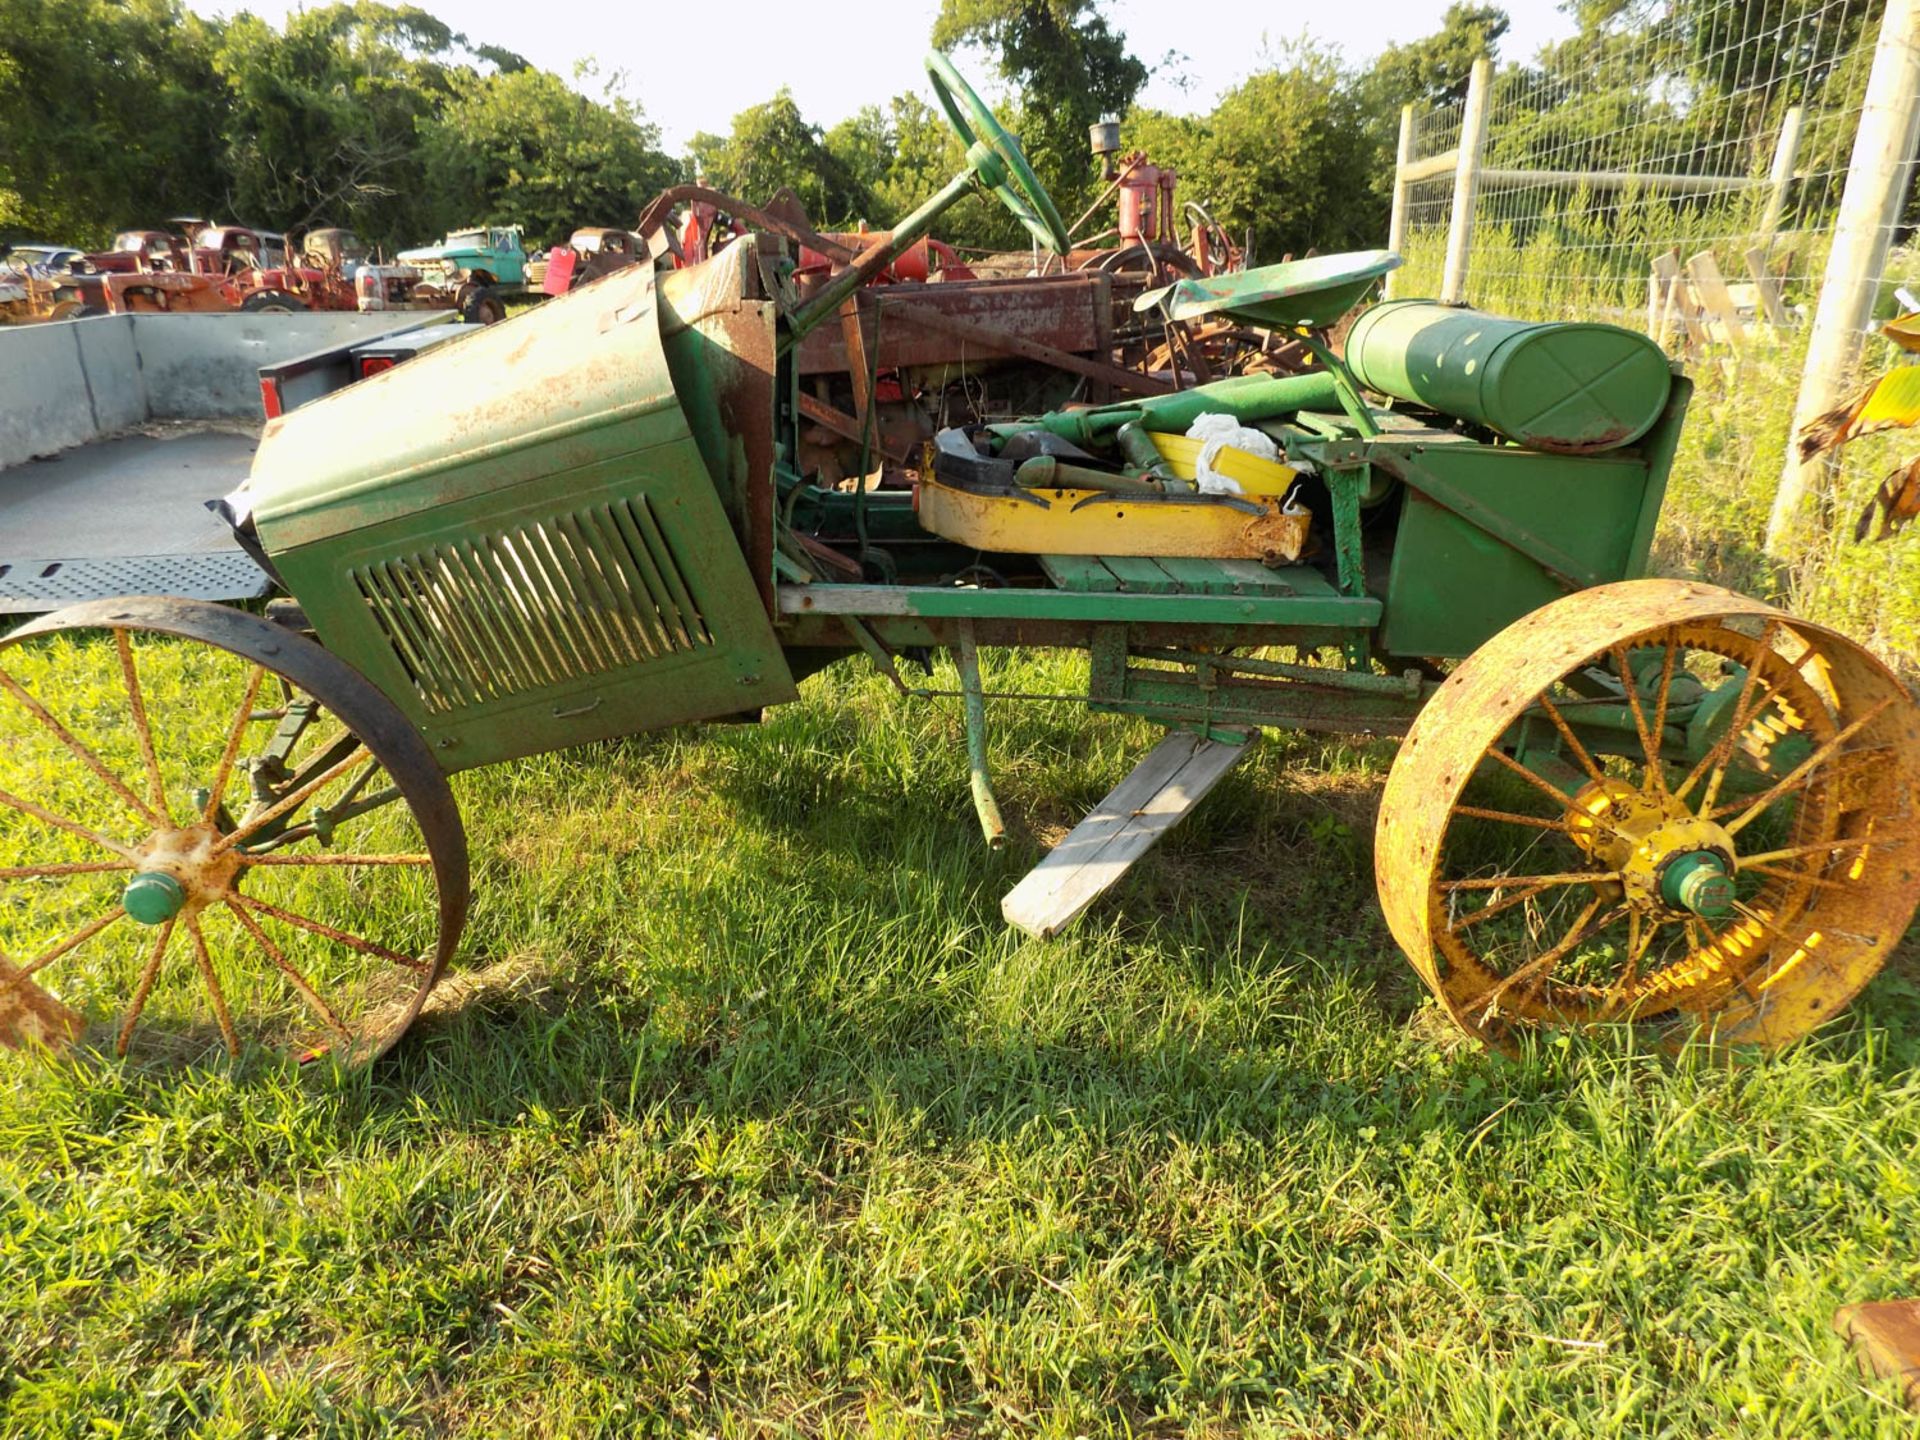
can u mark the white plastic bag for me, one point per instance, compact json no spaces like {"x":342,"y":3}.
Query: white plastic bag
{"x":1219,"y":432}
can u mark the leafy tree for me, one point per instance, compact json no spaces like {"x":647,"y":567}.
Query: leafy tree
{"x":110,"y":116}
{"x":322,"y":119}
{"x":523,"y":147}
{"x":900,"y":154}
{"x":1288,"y":154}
{"x":771,"y":145}
{"x":1070,"y":68}
{"x":1434,"y":68}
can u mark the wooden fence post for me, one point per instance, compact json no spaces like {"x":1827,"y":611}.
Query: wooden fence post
{"x":1877,"y":178}
{"x":1466,"y":182}
{"x":1402,"y":193}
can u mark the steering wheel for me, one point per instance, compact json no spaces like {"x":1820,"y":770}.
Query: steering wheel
{"x":996,"y":156}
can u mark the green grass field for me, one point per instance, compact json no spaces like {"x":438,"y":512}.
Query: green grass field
{"x":747,"y":1116}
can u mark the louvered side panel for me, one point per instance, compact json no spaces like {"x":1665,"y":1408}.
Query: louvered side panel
{"x":539,"y":604}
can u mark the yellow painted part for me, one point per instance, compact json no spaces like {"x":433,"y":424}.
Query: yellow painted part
{"x":1253,"y":474}
{"x":1110,"y":525}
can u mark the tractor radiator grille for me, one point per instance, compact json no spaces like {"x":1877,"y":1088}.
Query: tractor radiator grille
{"x":547,"y":602}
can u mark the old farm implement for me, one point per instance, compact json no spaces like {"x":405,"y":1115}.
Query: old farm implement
{"x":1627,"y":800}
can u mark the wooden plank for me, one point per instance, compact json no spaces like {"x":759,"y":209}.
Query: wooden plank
{"x":1140,"y":575}
{"x":1160,"y":792}
{"x":1665,"y":276}
{"x":1197,"y":576}
{"x":1079,"y":572}
{"x":1279,"y":579}
{"x":1704,"y":271}
{"x":1767,"y":289}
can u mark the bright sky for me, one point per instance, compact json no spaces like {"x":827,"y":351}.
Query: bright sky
{"x":691,"y":66}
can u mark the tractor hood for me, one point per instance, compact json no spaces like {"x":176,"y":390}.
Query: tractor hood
{"x":530,"y":537}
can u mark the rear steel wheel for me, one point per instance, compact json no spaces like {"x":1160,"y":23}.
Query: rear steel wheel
{"x":214,"y":832}
{"x":1655,"y":803}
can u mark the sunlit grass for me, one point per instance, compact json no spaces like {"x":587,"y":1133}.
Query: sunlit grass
{"x":748,"y":1116}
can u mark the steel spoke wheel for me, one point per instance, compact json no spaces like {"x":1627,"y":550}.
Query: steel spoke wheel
{"x":1655,"y":803}
{"x":213,"y":833}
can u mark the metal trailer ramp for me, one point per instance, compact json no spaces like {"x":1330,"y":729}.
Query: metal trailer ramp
{"x":1157,"y":795}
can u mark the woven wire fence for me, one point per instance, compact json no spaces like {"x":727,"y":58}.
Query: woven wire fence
{"x":1679,"y":170}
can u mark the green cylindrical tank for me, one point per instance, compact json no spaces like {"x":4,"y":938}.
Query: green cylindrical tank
{"x":1571,"y":387}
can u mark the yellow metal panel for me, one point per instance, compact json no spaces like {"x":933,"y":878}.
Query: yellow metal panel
{"x":1090,"y":522}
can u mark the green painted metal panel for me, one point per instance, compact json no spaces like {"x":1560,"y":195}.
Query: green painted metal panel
{"x":1019,"y":603}
{"x":1454,"y":583}
{"x":1556,"y":386}
{"x":517,"y":536}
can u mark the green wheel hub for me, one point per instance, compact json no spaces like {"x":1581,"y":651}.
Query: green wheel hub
{"x":1698,"y":882}
{"x":153,"y":899}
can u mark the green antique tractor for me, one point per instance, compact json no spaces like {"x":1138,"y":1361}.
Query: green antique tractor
{"x":1626,"y":800}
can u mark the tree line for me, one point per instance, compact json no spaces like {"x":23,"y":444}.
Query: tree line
{"x":121,"y":113}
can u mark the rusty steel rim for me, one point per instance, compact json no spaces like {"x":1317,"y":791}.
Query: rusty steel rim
{"x":175,"y":884}
{"x":1737,"y":847}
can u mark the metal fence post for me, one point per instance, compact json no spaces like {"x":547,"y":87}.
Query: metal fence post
{"x":1466,"y":182}
{"x":1877,"y":178}
{"x":1402,"y":193}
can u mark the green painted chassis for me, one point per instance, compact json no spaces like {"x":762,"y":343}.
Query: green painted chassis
{"x":1439,"y":540}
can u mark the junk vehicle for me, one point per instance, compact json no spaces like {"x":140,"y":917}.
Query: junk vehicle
{"x":1617,"y":800}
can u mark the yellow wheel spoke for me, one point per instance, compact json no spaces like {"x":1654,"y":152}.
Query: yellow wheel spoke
{"x":1655,"y":772}
{"x":300,"y":983}
{"x":1497,"y":907}
{"x":1542,"y":964}
{"x":1804,"y":770}
{"x":63,"y":867}
{"x":143,"y":731}
{"x":1667,"y":686}
{"x":1797,"y":877}
{"x":1558,"y":797}
{"x":341,"y":937}
{"x":290,"y":801}
{"x":329,"y":857}
{"x":235,"y":734}
{"x":1507,"y":817}
{"x":60,"y":822}
{"x":215,"y":994}
{"x":1500,"y":882}
{"x":148,"y":974}
{"x":1714,"y":763}
{"x":1790,"y":852}
{"x":1793,"y":943}
{"x":1573,"y":741}
{"x":79,"y":750}
{"x":73,"y":942}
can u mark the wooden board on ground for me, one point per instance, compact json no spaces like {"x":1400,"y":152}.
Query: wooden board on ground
{"x":1160,"y":792}
{"x":1886,"y":1336}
